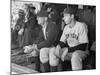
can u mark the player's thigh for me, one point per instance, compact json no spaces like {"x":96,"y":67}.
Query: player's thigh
{"x":79,"y":54}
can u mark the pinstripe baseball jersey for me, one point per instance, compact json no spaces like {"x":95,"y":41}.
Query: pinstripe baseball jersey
{"x":75,"y":35}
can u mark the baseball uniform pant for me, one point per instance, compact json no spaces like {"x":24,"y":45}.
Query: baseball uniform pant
{"x":48,"y":54}
{"x":76,"y":57}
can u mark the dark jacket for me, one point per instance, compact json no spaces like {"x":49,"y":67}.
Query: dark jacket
{"x":51,"y":35}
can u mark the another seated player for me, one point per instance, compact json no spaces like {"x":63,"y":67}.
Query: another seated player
{"x":73,"y":42}
{"x":46,"y":41}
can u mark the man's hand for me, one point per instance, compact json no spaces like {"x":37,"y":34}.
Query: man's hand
{"x":28,"y":49}
{"x":34,"y":46}
{"x":64,"y":54}
{"x":34,"y":53}
{"x":21,"y":31}
{"x":58,"y":48}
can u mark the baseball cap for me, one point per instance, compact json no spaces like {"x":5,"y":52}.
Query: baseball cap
{"x":70,"y":10}
{"x":42,"y":13}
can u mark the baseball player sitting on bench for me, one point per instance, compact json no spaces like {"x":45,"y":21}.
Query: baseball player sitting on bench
{"x":44,"y":47}
{"x":73,"y":42}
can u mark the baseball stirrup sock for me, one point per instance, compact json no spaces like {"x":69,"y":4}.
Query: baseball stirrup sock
{"x":53,"y":68}
{"x":46,"y":67}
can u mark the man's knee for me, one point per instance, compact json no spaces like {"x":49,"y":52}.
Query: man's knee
{"x":76,"y":56}
{"x":44,"y":55}
{"x":52,"y":50}
{"x":53,"y":60}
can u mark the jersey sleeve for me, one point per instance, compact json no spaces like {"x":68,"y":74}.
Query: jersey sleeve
{"x":83,"y":37}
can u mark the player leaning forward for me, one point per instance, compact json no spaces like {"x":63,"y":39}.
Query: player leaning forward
{"x":46,"y":41}
{"x":73,"y":41}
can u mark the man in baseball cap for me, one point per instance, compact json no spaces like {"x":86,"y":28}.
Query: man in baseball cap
{"x":48,"y":36}
{"x":69,"y":14}
{"x":74,"y":39}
